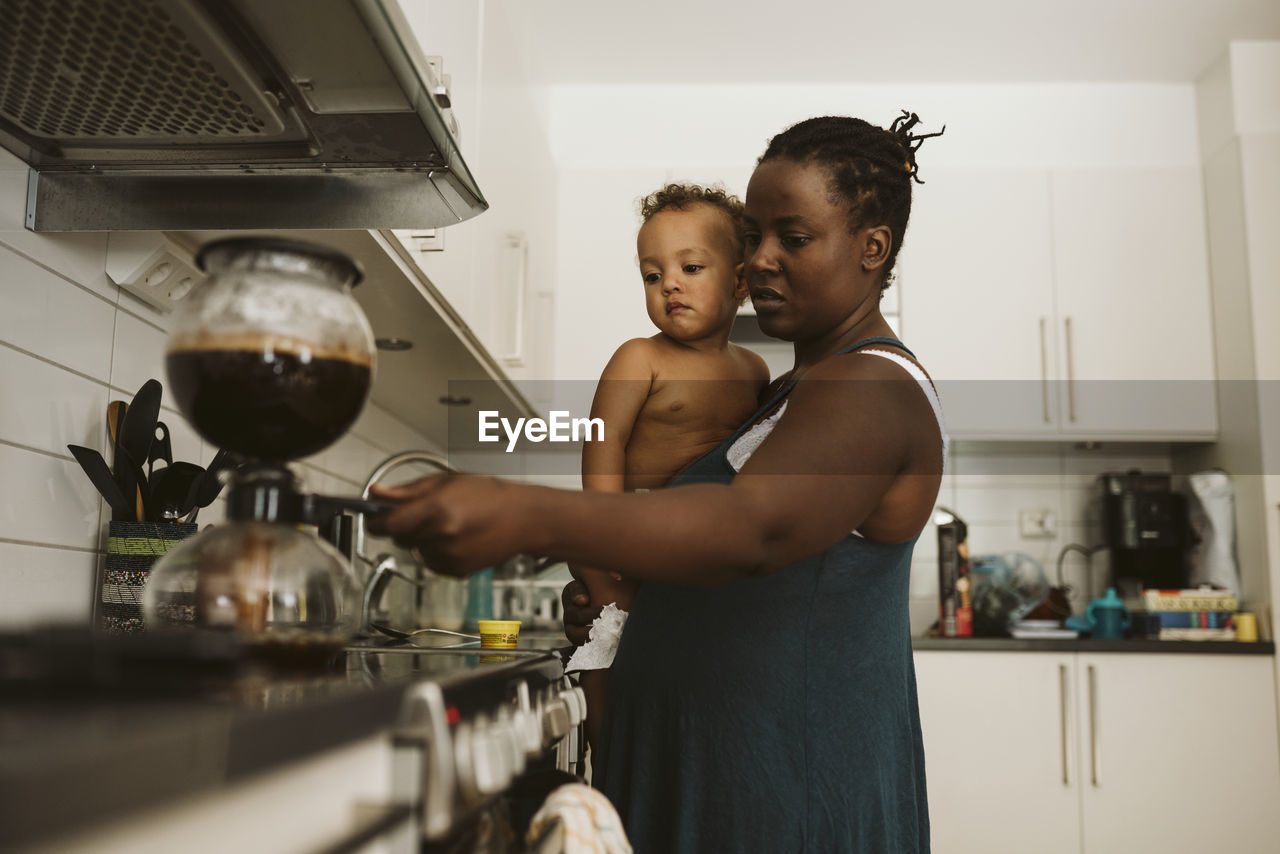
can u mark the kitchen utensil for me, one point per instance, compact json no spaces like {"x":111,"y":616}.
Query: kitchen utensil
{"x":115,"y":417}
{"x":100,"y":476}
{"x":403,"y":635}
{"x":160,"y":447}
{"x":170,"y":487}
{"x":133,"y":479}
{"x":206,"y":487}
{"x":129,"y":486}
{"x":139,"y":428}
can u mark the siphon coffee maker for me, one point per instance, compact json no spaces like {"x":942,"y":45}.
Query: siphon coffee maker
{"x":271,"y":359}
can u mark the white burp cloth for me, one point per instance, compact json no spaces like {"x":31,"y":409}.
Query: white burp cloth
{"x":602,"y":643}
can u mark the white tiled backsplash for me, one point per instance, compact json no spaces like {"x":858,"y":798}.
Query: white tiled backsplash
{"x":70,"y":341}
{"x":987,"y":489}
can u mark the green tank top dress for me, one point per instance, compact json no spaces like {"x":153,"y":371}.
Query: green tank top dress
{"x":774,"y":714}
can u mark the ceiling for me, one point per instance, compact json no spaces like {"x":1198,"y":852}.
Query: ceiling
{"x":839,"y":41}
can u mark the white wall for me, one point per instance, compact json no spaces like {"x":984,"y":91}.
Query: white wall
{"x":1239,"y":102}
{"x":70,"y":341}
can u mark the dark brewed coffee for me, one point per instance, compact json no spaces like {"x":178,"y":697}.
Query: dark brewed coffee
{"x":267,"y":399}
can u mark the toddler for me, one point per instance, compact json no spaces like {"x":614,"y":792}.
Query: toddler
{"x":668,"y":399}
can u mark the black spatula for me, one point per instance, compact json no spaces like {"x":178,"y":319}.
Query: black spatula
{"x":100,"y":476}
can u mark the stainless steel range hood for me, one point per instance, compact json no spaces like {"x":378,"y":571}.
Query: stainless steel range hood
{"x":227,"y":114}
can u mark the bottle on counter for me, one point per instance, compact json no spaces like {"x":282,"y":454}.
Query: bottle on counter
{"x":479,"y":598}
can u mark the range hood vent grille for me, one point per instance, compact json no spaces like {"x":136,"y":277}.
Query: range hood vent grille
{"x":188,"y":115}
{"x":72,"y":71}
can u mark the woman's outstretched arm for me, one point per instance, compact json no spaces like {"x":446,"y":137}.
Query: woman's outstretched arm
{"x":853,"y":428}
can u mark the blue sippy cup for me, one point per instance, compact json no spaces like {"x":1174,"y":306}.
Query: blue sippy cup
{"x":1108,"y":616}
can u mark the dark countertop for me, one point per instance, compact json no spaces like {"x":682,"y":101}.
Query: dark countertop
{"x":70,"y":757}
{"x":1090,"y":645}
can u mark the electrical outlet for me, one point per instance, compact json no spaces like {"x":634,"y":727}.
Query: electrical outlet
{"x":151,"y":266}
{"x":1037,"y":523}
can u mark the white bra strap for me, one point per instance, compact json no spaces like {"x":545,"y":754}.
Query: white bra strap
{"x":925,"y":384}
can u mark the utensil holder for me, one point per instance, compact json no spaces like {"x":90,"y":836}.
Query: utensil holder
{"x":132,"y":549}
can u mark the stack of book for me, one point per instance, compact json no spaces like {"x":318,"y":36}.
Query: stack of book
{"x":1202,"y":614}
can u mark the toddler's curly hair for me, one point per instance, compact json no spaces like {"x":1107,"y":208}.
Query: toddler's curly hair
{"x":683,"y":196}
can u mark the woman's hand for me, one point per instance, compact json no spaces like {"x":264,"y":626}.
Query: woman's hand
{"x":578,"y":612}
{"x":457,"y":523}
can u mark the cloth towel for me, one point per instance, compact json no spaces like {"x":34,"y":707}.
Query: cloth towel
{"x":577,"y":819}
{"x":602,"y":641}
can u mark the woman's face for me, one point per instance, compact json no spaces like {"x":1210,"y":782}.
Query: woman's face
{"x":804,"y":268}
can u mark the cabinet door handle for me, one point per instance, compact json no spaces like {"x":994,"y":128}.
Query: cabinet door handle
{"x":1071,"y":375}
{"x":516,"y":253}
{"x":1062,"y":710}
{"x":1044,"y":370}
{"x":1095,"y":747}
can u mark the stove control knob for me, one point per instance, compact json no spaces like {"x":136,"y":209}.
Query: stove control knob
{"x":570,"y":702}
{"x":556,"y":719}
{"x":507,"y":749}
{"x":528,"y":728}
{"x":489,"y":753}
{"x":464,"y":763}
{"x":577,"y":704}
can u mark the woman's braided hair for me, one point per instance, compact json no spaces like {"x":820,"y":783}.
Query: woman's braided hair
{"x":871,"y":168}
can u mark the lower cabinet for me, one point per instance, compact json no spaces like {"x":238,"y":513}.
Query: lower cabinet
{"x":1093,"y":753}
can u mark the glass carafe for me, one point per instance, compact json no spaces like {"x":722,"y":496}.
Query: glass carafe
{"x":285,"y":592}
{"x":271,"y":357}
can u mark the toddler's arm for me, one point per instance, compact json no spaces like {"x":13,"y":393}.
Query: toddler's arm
{"x":620,"y":395}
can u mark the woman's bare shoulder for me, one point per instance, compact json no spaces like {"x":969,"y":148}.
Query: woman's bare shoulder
{"x":871,"y":397}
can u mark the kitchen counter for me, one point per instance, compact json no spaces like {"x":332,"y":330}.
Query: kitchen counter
{"x":73,"y":756}
{"x":1090,"y":645}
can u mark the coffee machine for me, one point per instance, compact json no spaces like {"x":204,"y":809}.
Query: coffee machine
{"x":271,"y":359}
{"x":1146,"y":527}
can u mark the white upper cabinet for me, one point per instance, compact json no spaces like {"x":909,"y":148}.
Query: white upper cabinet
{"x":977,"y":298}
{"x":1064,"y":303}
{"x":1134,"y":314}
{"x":496,"y":270}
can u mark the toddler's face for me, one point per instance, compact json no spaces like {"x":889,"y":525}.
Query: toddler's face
{"x":691,"y":271}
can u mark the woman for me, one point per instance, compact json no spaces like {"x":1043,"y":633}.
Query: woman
{"x":763,"y":696}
